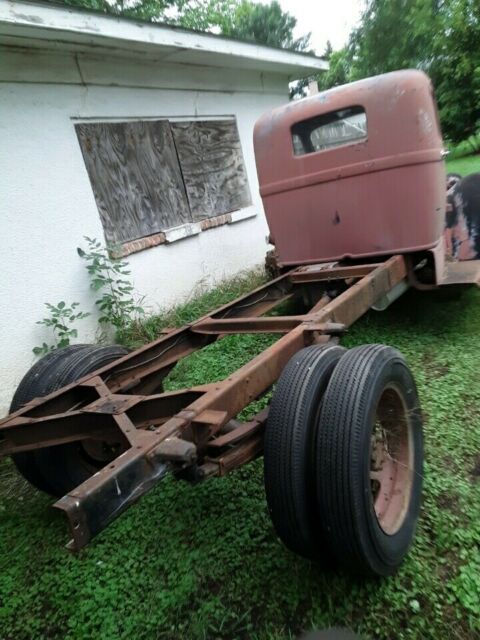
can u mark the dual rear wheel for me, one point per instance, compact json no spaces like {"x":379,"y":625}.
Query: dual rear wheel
{"x":343,"y":457}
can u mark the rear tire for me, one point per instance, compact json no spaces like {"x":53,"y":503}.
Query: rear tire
{"x":289,"y":448}
{"x":56,"y":470}
{"x":370,"y":460}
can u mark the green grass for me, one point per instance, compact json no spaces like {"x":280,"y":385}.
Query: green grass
{"x":203,"y":561}
{"x":201,"y":302}
{"x":464,"y":166}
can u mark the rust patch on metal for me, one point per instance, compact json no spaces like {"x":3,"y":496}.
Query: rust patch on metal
{"x":112,"y":404}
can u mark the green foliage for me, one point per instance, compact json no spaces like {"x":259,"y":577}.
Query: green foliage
{"x":267,"y":24}
{"x":455,"y":68}
{"x":140,"y":9}
{"x":251,"y":21}
{"x":108,"y":276}
{"x":339,"y":71}
{"x":466,"y":586}
{"x":394,"y":34}
{"x":205,"y":15}
{"x":203,"y":561}
{"x":466,"y":148}
{"x":60,"y":322}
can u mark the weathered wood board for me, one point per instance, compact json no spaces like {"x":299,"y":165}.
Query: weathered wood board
{"x":135,"y":176}
{"x":212,"y":165}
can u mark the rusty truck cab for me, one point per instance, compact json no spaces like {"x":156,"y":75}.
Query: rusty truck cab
{"x":355,"y":171}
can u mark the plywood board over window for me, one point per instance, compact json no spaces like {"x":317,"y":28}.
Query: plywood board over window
{"x":135,"y":176}
{"x":150,"y":176}
{"x":212,"y":166}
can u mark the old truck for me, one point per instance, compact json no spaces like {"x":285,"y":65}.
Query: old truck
{"x":353,"y":185}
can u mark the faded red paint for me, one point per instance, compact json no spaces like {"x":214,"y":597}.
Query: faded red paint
{"x":381,"y":195}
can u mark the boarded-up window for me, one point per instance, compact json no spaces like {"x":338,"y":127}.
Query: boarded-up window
{"x":148,"y":176}
{"x":212,"y":165}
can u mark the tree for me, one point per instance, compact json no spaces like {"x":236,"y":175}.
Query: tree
{"x":267,"y":24}
{"x":141,"y":9}
{"x":438,"y":36}
{"x":394,"y":34}
{"x":338,"y":72}
{"x":243,"y":19}
{"x":455,"y":68}
{"x":206,"y":15}
{"x":328,"y":51}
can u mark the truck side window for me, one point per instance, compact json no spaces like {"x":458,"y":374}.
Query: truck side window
{"x":329,"y":130}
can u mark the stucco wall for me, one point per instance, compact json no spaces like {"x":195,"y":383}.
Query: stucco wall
{"x":47,"y":205}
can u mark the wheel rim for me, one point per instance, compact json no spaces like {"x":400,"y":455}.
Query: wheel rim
{"x":391,"y":461}
{"x":96,"y":454}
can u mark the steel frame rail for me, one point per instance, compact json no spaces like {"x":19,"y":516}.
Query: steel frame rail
{"x":192,"y":429}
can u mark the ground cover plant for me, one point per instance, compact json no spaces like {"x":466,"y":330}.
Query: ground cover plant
{"x":203,"y":562}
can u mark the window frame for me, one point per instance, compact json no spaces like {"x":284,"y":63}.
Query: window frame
{"x":360,"y":110}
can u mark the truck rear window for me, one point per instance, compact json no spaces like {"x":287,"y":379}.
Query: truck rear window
{"x":329,"y":130}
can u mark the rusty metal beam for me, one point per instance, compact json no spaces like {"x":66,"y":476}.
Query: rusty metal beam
{"x":275,"y":324}
{"x":245,"y":451}
{"x":241,"y":432}
{"x":25,"y":434}
{"x":84,"y":509}
{"x":318,"y":273}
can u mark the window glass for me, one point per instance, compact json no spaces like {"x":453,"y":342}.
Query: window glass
{"x":329,"y":130}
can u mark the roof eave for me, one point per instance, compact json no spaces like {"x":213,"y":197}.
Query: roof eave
{"x":38,"y":24}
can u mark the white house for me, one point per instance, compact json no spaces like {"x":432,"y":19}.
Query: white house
{"x":138,"y":134}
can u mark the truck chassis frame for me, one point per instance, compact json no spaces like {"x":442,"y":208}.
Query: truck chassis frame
{"x":192,"y":432}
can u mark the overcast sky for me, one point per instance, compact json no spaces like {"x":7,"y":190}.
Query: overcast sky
{"x":325,"y":19}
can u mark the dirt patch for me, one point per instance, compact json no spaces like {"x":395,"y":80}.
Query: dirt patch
{"x":434,"y":368}
{"x":448,"y":502}
{"x":475,"y":472}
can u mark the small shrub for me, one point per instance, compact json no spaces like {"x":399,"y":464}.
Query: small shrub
{"x":108,"y":276}
{"x":60,"y":321}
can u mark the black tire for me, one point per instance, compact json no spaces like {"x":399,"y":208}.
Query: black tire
{"x":35,"y":383}
{"x":56,"y":470}
{"x":371,"y":392}
{"x":289,"y":448}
